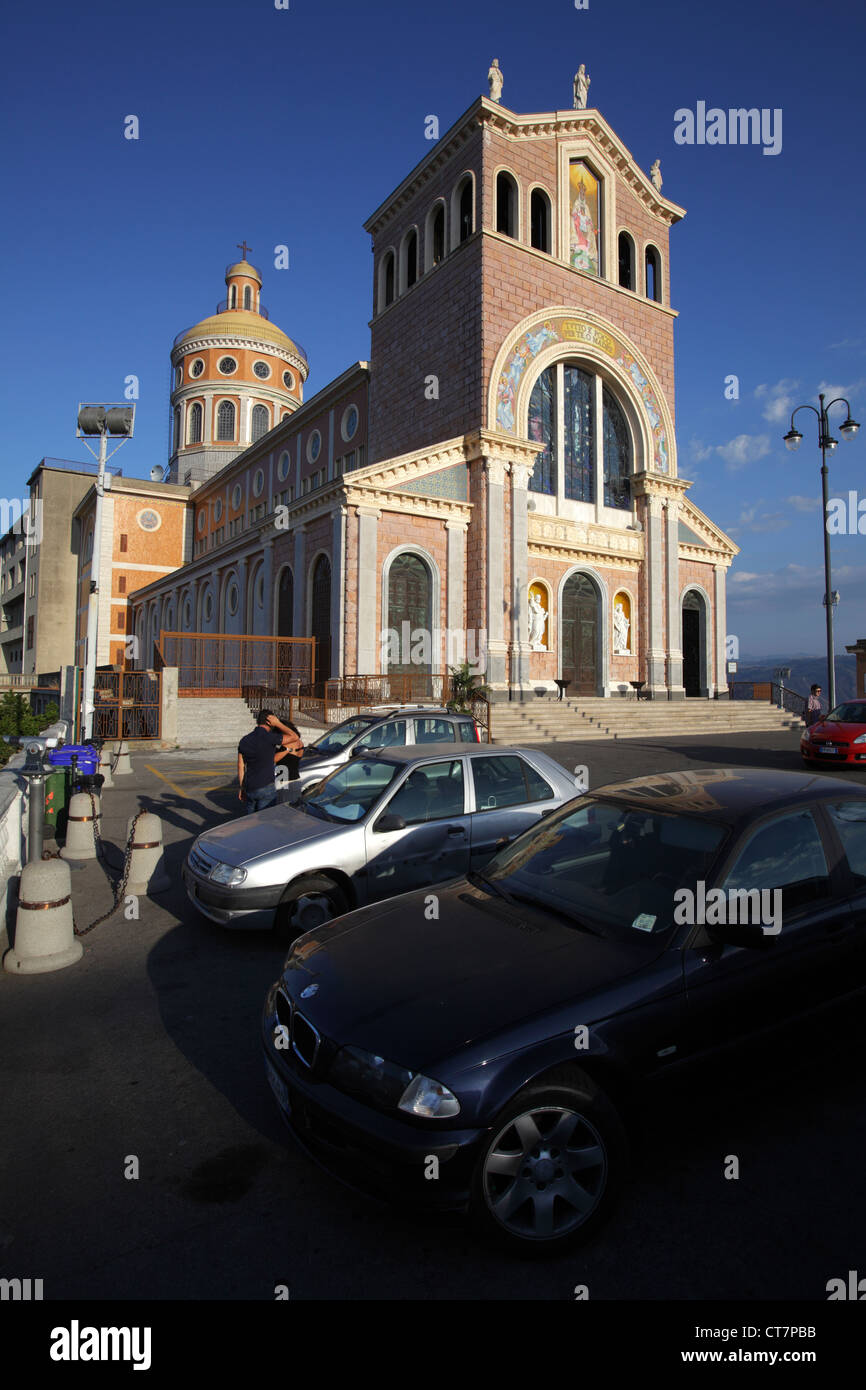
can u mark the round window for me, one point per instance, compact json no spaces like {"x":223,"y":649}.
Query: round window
{"x":283,"y":467}
{"x":202,"y":519}
{"x":233,"y":598}
{"x":314,"y":445}
{"x":149,"y":520}
{"x":218,"y":509}
{"x":237,"y":494}
{"x":350,"y":423}
{"x":197,"y":367}
{"x":262,"y":370}
{"x":288,"y":381}
{"x":258,"y":483}
{"x":228,"y":365}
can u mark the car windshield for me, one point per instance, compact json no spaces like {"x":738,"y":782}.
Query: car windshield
{"x":609,"y":867}
{"x":854,"y":712}
{"x":335,"y":739}
{"x":350,"y":792}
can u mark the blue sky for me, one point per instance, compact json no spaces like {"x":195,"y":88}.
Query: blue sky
{"x":290,"y":126}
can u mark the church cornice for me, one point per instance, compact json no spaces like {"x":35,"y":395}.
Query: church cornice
{"x":542,"y":125}
{"x":559,"y":538}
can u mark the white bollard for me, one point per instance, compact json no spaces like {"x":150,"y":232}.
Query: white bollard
{"x":147,"y":872}
{"x":122,"y":767}
{"x":44,"y":933}
{"x":105,"y":761}
{"x":80,"y":843}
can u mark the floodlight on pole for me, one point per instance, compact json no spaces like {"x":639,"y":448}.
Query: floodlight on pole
{"x":105,"y":421}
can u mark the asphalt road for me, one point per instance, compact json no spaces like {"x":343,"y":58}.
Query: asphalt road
{"x":148,"y":1050}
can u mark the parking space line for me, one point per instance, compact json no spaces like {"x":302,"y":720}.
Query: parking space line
{"x":175,"y":788}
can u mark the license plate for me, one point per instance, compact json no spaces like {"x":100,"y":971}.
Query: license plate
{"x":279,"y":1088}
{"x":827,"y":748}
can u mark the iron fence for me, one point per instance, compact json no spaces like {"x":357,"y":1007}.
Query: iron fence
{"x":771,"y":691}
{"x":223,"y":666}
{"x":127,"y":704}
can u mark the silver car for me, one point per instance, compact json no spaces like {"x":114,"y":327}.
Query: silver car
{"x":384,"y":726}
{"x":379,"y":826}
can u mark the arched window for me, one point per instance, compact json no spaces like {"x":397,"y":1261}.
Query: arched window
{"x":233,"y":297}
{"x":617,"y":454}
{"x":463,"y":211}
{"x":585,"y":443}
{"x":195,"y":423}
{"x":261,"y":422}
{"x":653,"y":274}
{"x":248,"y":297}
{"x":410,"y":592}
{"x":387,"y":291}
{"x":409,"y":271}
{"x":285,"y":604}
{"x":626,"y":261}
{"x":539,"y":216}
{"x":436,"y":236}
{"x":226,"y":420}
{"x":506,"y":204}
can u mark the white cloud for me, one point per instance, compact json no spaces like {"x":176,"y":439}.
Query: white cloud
{"x":754,"y":520}
{"x":798,"y":586}
{"x":743,"y":449}
{"x":780,"y":399}
{"x":699,"y":451}
{"x":803,"y":504}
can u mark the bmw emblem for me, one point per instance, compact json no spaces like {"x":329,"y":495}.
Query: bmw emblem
{"x":309,"y":991}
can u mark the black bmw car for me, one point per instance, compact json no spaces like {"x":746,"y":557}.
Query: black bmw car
{"x":467,"y":1048}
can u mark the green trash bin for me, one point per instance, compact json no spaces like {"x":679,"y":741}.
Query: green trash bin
{"x":56,"y":799}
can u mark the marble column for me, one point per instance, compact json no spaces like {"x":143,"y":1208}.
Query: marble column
{"x":676,"y":689}
{"x":655,"y":673}
{"x":720,"y":615}
{"x":497,"y":646}
{"x":338,"y":589}
{"x":520,"y":647}
{"x":369,"y":659}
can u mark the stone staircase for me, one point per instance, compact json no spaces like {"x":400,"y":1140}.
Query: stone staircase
{"x":220,"y":723}
{"x":571,"y":720}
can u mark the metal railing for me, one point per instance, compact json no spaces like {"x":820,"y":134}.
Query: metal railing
{"x":127,"y":704}
{"x":220,"y":665}
{"x":338,"y":699}
{"x":772,"y":692}
{"x":225,"y":308}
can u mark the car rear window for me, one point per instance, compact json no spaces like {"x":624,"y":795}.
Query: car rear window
{"x":506,"y":781}
{"x":434,"y":731}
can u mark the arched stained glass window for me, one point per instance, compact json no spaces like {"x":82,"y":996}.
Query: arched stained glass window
{"x":248,"y":297}
{"x":617,"y":454}
{"x":261,"y":422}
{"x":542,"y":427}
{"x":195,"y":419}
{"x":579,"y":470}
{"x":226,"y":420}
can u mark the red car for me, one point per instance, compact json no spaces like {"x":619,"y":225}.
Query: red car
{"x":839,"y":737}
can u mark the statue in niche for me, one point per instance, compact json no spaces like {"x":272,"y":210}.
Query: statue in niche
{"x":581,"y":88}
{"x":621,"y":625}
{"x":656,"y":176}
{"x":496,"y":79}
{"x":537,"y":623}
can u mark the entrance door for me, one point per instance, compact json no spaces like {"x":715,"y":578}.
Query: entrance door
{"x":580,"y":634}
{"x":321,"y":618}
{"x":692,"y":653}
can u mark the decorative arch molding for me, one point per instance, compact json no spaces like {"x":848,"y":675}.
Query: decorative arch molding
{"x":435,"y":593}
{"x":275,"y":598}
{"x":558,"y":332}
{"x":604,"y":621}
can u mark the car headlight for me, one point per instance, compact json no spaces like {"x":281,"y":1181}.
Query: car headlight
{"x":428,"y":1098}
{"x":378,"y":1081}
{"x":227,"y":875}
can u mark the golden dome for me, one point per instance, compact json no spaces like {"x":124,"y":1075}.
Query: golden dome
{"x":243,"y":268}
{"x":242,"y":323}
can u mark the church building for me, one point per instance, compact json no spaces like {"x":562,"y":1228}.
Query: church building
{"x":500,"y":478}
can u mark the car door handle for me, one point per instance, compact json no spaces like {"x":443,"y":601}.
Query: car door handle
{"x":456,"y":830}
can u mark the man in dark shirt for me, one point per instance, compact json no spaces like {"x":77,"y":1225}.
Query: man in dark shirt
{"x":256,"y":761}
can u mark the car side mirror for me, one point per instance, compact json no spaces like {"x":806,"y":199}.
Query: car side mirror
{"x":386,"y":823}
{"x":742,"y":934}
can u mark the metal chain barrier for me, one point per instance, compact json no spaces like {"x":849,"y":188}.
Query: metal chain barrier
{"x":120,"y":886}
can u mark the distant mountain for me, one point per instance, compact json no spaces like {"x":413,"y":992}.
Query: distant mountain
{"x":805,"y":672}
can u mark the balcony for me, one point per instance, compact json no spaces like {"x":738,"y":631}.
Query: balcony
{"x":223,"y":308}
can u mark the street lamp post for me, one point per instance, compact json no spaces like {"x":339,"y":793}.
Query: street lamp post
{"x":793,"y":439}
{"x":106,"y":421}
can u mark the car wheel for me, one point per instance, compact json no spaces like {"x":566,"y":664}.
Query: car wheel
{"x":309,"y":903}
{"x":548,"y":1174}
